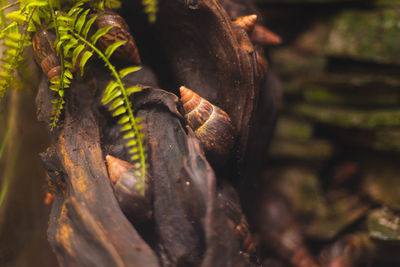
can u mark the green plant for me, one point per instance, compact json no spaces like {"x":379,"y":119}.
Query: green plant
{"x":72,"y":21}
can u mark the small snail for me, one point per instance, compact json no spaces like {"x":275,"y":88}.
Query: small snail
{"x":124,"y":182}
{"x":48,"y":200}
{"x":229,"y":200}
{"x":120,"y":32}
{"x":262,"y":62}
{"x":44,"y":53}
{"x":247,"y":241}
{"x":211,"y":125}
{"x":246,"y":22}
{"x":263,"y":36}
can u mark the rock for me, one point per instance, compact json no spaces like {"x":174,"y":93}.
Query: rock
{"x":366,"y":36}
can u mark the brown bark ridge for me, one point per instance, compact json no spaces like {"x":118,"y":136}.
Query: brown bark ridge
{"x":204,"y":51}
{"x":87,"y":227}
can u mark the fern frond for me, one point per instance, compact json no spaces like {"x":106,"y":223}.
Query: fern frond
{"x":16,"y":39}
{"x":74,"y":43}
{"x":111,"y":48}
{"x":59,"y":84}
{"x":151,"y":8}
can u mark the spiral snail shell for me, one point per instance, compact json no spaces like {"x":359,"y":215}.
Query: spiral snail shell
{"x":246,"y":22}
{"x":119,"y":32}
{"x":136,"y":207}
{"x":44,"y":53}
{"x":263,"y":36}
{"x":211,"y":125}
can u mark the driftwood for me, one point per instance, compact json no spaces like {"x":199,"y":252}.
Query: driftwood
{"x":197,"y":217}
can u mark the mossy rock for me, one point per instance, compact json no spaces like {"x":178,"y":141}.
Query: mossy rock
{"x":352,"y":97}
{"x":382,"y":140}
{"x":386,"y":3}
{"x":341,"y":214}
{"x":372,"y":36}
{"x":349,"y":117}
{"x":384,"y":224}
{"x":287,"y":61}
{"x":302,"y":188}
{"x":314,"y":150}
{"x":382,"y":182}
{"x":292,"y":128}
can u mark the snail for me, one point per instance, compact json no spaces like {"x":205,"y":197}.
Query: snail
{"x":247,"y":240}
{"x":229,"y":201}
{"x":262,"y":63}
{"x":259,"y":34}
{"x":246,"y":22}
{"x":49,"y":198}
{"x":44,"y":53}
{"x":263,"y":36}
{"x":211,"y":125}
{"x":136,"y":207}
{"x":120,"y":32}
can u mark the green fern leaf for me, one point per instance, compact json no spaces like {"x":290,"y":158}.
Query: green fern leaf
{"x":113,"y":4}
{"x":84,"y":59}
{"x":81,"y":21}
{"x":133,"y":89}
{"x":119,"y":111}
{"x":16,"y":16}
{"x":75,"y":8}
{"x":128,"y":70}
{"x":111,"y":48}
{"x":88,"y":25}
{"x":99,"y":33}
{"x":75,"y":54}
{"x":129,"y":135}
{"x":70,"y":44}
{"x":124,"y":119}
{"x":116,"y":103}
{"x":126,"y":127}
{"x":132,"y":142}
{"x":151,"y":8}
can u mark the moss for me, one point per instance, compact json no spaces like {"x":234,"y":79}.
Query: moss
{"x":368,"y":36}
{"x":384,"y":224}
{"x":287,"y":61}
{"x":349,"y":118}
{"x":302,"y":188}
{"x":307,"y":150}
{"x":327,"y":96}
{"x":293,"y":129}
{"x":382,"y":183}
{"x":342,"y":213}
{"x":387,"y":140}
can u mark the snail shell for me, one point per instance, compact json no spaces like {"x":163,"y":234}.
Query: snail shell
{"x":262,"y":63}
{"x":247,"y":241}
{"x":119,"y":32}
{"x":44,"y":53}
{"x":49,"y":198}
{"x":246,"y":22}
{"x":124,"y":182}
{"x":211,"y":125}
{"x":263,"y":36}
